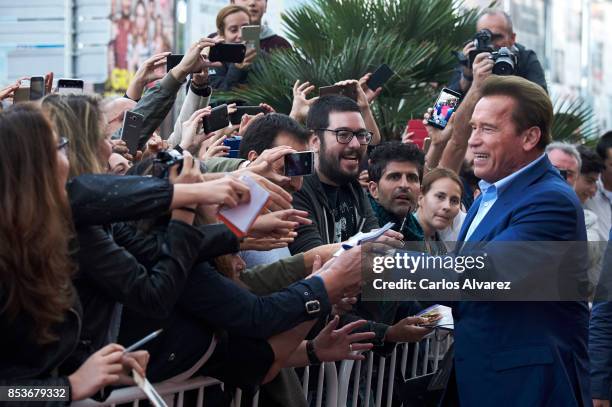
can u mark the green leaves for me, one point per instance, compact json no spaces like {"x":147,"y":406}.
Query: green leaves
{"x":336,"y":40}
{"x":574,"y":121}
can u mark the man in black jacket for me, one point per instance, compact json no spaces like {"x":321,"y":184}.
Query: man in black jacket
{"x":499,"y":24}
{"x":337,"y":205}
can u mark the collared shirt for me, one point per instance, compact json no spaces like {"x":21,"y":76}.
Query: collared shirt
{"x":490,"y":193}
{"x":601,"y":205}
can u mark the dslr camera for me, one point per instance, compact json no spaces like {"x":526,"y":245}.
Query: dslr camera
{"x":505,"y":61}
{"x":483,"y":43}
{"x":164,"y":160}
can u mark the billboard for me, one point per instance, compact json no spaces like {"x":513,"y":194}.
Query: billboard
{"x":139,"y":29}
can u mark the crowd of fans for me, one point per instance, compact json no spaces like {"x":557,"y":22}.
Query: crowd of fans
{"x":100,"y":247}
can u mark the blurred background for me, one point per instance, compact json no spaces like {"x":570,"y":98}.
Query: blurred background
{"x":104,"y":41}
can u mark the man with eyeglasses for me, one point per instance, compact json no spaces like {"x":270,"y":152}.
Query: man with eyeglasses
{"x":337,"y":205}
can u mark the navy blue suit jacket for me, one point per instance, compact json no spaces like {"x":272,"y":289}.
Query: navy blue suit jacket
{"x":600,"y":336}
{"x":525,"y":353}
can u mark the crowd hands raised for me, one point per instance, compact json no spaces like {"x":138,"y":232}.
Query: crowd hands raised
{"x":149,"y":251}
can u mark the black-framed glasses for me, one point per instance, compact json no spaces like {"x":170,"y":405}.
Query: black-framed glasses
{"x":63,"y":144}
{"x":344,"y":136}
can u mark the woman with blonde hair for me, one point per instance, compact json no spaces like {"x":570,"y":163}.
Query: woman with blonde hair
{"x":79,"y":118}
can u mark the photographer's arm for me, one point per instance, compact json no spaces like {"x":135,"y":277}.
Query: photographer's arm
{"x":454,"y":153}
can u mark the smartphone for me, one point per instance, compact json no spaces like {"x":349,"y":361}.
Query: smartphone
{"x":227,"y":53}
{"x":131,"y":130}
{"x":298,"y":164}
{"x":218,"y":119}
{"x":445,"y":106}
{"x":382,"y":74}
{"x":242,"y":110}
{"x":233,"y":142}
{"x":173,"y":60}
{"x":68,"y":86}
{"x":419,"y":131}
{"x":250,"y":35}
{"x":37,"y":87}
{"x":348,"y":91}
{"x":233,"y":154}
{"x":23,"y":93}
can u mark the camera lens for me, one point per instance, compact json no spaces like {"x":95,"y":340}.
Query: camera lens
{"x":503,"y":66}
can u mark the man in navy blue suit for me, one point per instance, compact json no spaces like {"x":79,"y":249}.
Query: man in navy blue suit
{"x":519,"y":353}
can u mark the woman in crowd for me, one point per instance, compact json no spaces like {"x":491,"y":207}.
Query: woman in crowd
{"x":230,"y":21}
{"x":439,"y":204}
{"x":40,"y":313}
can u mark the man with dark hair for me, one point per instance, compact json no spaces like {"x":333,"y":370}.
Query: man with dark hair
{"x":337,"y":205}
{"x":601,"y":202}
{"x":273,"y":130}
{"x":395,"y":180}
{"x":499,"y":25}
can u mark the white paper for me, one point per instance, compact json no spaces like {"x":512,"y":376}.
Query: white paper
{"x":149,"y":390}
{"x":242,"y":216}
{"x":446,"y":322}
{"x":361,"y":238}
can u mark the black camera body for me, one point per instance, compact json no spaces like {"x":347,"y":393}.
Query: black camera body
{"x":483,"y":43}
{"x":164,"y":160}
{"x":505,"y":61}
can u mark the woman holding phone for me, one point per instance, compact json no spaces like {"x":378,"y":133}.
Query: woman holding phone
{"x":40,"y":313}
{"x":230,"y":21}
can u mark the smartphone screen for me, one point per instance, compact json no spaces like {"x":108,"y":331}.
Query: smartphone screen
{"x":217,"y":120}
{"x":443,"y":109}
{"x":23,"y":93}
{"x":132,"y":127}
{"x":236,"y":117}
{"x":348,"y":91}
{"x":37,"y":87}
{"x":173,"y":60}
{"x":298,"y":164}
{"x":227,"y":53}
{"x":69,"y":86}
{"x":380,"y":77}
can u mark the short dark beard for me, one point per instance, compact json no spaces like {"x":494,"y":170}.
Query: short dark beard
{"x":330,"y":167}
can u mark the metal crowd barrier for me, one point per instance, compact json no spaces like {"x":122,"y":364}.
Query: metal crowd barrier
{"x":331,"y":383}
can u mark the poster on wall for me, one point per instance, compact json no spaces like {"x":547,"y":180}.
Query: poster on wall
{"x":139,"y":30}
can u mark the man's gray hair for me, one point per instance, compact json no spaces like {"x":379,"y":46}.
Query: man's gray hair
{"x":567,"y":148}
{"x":498,"y":12}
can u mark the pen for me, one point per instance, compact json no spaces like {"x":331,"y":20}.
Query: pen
{"x":144,"y":340}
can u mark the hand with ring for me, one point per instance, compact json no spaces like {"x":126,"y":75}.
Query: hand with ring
{"x":330,"y":344}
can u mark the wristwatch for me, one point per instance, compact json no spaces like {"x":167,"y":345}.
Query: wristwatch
{"x":313,"y":307}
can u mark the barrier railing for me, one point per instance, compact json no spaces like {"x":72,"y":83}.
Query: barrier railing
{"x":336,"y":383}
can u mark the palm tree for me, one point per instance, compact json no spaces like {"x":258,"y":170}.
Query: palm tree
{"x":343,"y":39}
{"x":574,"y":122}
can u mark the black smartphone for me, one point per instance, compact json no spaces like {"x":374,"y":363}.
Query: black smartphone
{"x":445,"y":106}
{"x":218,"y":119}
{"x":37,"y":87}
{"x":227,"y":53}
{"x":380,"y":77}
{"x":68,"y":86}
{"x":298,"y":164}
{"x":173,"y":60}
{"x":348,"y":91}
{"x":130,"y":132}
{"x":242,"y":110}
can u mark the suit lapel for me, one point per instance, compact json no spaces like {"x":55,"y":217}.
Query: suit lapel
{"x":500,"y":209}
